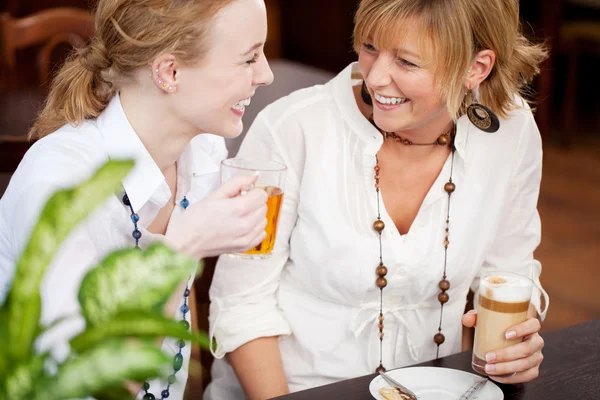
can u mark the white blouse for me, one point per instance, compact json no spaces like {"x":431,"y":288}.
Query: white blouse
{"x":69,"y":156}
{"x":318,"y":292}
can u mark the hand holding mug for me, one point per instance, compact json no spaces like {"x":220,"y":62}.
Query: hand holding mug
{"x":223,"y":222}
{"x":507,"y":345}
{"x":518,"y":363}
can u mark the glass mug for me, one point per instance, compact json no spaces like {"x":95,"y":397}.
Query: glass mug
{"x":271,"y":177}
{"x":503,"y":302}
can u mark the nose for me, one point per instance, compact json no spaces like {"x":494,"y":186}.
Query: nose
{"x":263,"y":75}
{"x":379,"y":75}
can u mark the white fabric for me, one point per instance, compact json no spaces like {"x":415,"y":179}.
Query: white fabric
{"x":318,"y":291}
{"x":65,"y":158}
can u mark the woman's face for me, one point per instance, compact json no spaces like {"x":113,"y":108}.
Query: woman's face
{"x":211,"y":97}
{"x":405,"y":97}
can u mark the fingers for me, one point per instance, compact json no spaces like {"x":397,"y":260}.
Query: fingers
{"x":255,"y":233}
{"x":521,"y":350}
{"x":529,"y":327}
{"x":520,"y":365}
{"x":470,"y":319}
{"x":254,"y":200}
{"x":258,"y":234}
{"x":235,"y":186}
{"x":251,"y":239}
{"x":518,"y":377}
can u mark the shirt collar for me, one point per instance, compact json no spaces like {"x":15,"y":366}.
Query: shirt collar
{"x":145,"y":182}
{"x":344,"y":97}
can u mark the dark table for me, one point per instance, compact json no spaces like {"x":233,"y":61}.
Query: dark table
{"x":571,"y":370}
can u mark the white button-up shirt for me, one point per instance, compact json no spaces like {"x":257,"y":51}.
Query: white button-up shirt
{"x":69,"y":156}
{"x":318,"y":292}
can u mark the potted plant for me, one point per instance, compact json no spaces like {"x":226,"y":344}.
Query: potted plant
{"x":122,"y":312}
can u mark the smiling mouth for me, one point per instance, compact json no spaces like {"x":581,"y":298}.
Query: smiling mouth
{"x":242,"y":104}
{"x":390,"y":100}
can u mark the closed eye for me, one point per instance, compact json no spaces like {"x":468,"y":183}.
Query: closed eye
{"x":369,"y":47}
{"x":253,"y":60}
{"x":407,"y":63}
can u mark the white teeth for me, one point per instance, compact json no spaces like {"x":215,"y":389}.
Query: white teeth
{"x":389,"y":100}
{"x":241,"y":105}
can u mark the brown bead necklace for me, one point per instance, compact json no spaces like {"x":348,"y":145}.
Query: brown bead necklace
{"x":379,"y":226}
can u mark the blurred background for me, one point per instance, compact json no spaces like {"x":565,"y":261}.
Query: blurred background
{"x":309,"y":42}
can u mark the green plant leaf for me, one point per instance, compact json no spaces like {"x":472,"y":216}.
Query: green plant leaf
{"x":62,"y":213}
{"x":114,"y":393}
{"x":108,"y":365}
{"x":20,"y":382}
{"x":131,"y":279}
{"x":141,"y":324}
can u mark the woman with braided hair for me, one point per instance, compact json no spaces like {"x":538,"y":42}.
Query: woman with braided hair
{"x":156,"y":79}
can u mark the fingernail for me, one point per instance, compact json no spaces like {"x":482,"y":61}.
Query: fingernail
{"x":490,"y":368}
{"x":489,"y":357}
{"x":471,"y":312}
{"x":511,"y":334}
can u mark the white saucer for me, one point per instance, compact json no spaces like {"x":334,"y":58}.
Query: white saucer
{"x":432,"y":383}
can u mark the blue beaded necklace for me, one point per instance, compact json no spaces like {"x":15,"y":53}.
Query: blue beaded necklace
{"x":178,"y":359}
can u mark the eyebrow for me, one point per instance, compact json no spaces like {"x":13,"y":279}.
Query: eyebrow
{"x":407,"y":52}
{"x":256,"y":46}
{"x":399,"y":51}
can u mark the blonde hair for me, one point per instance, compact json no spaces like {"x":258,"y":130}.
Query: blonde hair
{"x":453,"y":32}
{"x":129,"y":34}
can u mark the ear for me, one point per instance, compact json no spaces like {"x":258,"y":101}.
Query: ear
{"x":164,"y":73}
{"x":480,"y":69}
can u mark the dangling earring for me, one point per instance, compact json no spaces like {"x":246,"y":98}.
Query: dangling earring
{"x":365,"y":95}
{"x":481,"y":116}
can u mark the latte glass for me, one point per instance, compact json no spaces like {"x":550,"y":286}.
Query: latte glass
{"x":503,"y":302}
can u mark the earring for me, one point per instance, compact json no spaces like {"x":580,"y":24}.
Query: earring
{"x":365,"y":95}
{"x":482,"y":117}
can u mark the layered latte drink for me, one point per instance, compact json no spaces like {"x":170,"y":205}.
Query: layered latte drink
{"x":503,"y":302}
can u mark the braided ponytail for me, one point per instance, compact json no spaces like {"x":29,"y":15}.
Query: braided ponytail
{"x":78,"y":91}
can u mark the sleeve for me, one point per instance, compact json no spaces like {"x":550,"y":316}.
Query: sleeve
{"x":519,"y":232}
{"x":36,"y":181}
{"x":21,"y":211}
{"x":243,"y":292}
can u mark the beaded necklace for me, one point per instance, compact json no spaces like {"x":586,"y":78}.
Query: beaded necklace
{"x":381,"y":270}
{"x":178,"y":359}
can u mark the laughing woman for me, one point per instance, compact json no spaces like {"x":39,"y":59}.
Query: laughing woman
{"x":410,"y":174}
{"x":156,"y":78}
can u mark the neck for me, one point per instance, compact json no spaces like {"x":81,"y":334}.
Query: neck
{"x":414,"y":153}
{"x":162,"y":134}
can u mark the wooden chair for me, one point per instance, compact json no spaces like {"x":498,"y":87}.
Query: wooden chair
{"x":48,"y":28}
{"x":569,"y":37}
{"x":19,"y":105}
{"x":575,"y":39}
